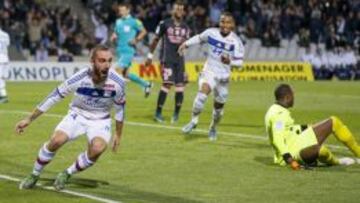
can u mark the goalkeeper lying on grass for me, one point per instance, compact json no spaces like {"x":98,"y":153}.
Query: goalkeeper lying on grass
{"x":297,"y":145}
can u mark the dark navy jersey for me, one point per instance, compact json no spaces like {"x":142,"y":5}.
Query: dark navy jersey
{"x":172,"y":36}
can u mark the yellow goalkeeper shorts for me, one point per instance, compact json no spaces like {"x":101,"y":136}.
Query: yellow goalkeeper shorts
{"x":305,"y":139}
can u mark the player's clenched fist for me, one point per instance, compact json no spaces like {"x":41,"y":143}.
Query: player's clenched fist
{"x":21,"y":125}
{"x":295,"y":165}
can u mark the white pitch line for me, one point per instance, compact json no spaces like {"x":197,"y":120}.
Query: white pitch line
{"x":203,"y":131}
{"x":70,"y":192}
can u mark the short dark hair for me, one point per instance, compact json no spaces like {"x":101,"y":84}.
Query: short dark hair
{"x":179,"y":2}
{"x":227,"y":14}
{"x":99,"y":47}
{"x":125,"y":4}
{"x":281,"y":91}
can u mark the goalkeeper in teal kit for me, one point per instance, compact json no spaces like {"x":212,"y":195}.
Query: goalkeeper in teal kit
{"x":128,"y":32}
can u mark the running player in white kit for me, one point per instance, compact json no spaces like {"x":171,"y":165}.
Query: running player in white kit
{"x":225,"y":49}
{"x":96,"y":91}
{"x":4,"y":60}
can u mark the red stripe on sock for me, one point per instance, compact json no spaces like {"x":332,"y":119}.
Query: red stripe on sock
{"x":42,"y":162}
{"x":78,"y":166}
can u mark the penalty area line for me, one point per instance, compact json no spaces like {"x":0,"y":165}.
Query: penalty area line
{"x":203,"y":131}
{"x":70,"y":192}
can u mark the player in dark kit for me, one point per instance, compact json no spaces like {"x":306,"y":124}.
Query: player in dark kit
{"x":173,"y":32}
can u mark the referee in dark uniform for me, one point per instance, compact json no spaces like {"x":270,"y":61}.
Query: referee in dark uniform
{"x":173,"y":31}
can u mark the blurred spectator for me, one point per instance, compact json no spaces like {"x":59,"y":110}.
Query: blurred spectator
{"x":41,"y":54}
{"x":101,"y":30}
{"x":314,"y":60}
{"x":65,"y":56}
{"x":216,"y":7}
{"x":312,"y":22}
{"x":35,"y":26}
{"x":304,"y":37}
{"x":342,"y":70}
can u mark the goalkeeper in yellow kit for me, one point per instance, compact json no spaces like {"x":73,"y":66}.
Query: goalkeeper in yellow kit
{"x":303,"y":144}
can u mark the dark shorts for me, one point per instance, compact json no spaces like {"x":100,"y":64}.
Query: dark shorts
{"x":173,"y":73}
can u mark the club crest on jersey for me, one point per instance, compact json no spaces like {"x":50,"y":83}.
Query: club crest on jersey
{"x":109,"y":87}
{"x":227,"y":47}
{"x":126,"y":28}
{"x":107,"y":93}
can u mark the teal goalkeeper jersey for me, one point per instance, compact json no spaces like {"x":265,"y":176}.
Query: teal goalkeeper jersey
{"x":126,"y":30}
{"x":280,"y":128}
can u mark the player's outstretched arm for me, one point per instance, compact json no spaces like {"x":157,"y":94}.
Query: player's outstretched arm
{"x":119,"y":106}
{"x":118,"y":133}
{"x":21,"y":125}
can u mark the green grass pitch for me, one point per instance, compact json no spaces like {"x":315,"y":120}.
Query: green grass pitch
{"x":156,"y":163}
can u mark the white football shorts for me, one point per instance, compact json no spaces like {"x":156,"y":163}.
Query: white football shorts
{"x":219,"y":85}
{"x":3,"y":69}
{"x":75,"y":125}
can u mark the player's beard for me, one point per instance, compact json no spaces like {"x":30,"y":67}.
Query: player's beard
{"x":101,"y":75}
{"x":178,"y":18}
{"x":224,"y":33}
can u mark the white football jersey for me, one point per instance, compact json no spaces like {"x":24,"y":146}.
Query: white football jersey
{"x":90,"y":100}
{"x":4,"y":43}
{"x":219,"y":46}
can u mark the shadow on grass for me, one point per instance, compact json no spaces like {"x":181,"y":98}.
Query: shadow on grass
{"x":128,"y":194}
{"x":244,"y":144}
{"x":242,"y":125}
{"x":117,"y":192}
{"x":320,"y":168}
{"x":77,"y":182}
{"x":194,"y":136}
{"x":102,"y":188}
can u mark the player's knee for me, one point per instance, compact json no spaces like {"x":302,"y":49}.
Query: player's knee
{"x":166,"y":86}
{"x":97,"y":148}
{"x":336,"y":122}
{"x":205,"y":88}
{"x":55,"y":143}
{"x":179,"y":88}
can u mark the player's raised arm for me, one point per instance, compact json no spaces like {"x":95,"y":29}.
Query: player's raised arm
{"x":119,"y":105}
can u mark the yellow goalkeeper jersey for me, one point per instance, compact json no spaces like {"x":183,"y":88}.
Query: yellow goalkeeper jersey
{"x":281,"y":130}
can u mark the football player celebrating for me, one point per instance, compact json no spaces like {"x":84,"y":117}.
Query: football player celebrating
{"x":97,"y":89}
{"x":225,"y":49}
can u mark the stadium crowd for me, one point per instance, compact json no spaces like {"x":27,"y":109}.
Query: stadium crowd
{"x":335,"y":24}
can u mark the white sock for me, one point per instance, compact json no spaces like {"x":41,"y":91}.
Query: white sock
{"x":82,"y":162}
{"x":216,"y":117}
{"x":44,"y":157}
{"x":2,"y":88}
{"x":198,"y":106}
{"x":346,"y":161}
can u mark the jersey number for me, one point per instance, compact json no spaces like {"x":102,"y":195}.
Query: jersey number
{"x":217,"y":51}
